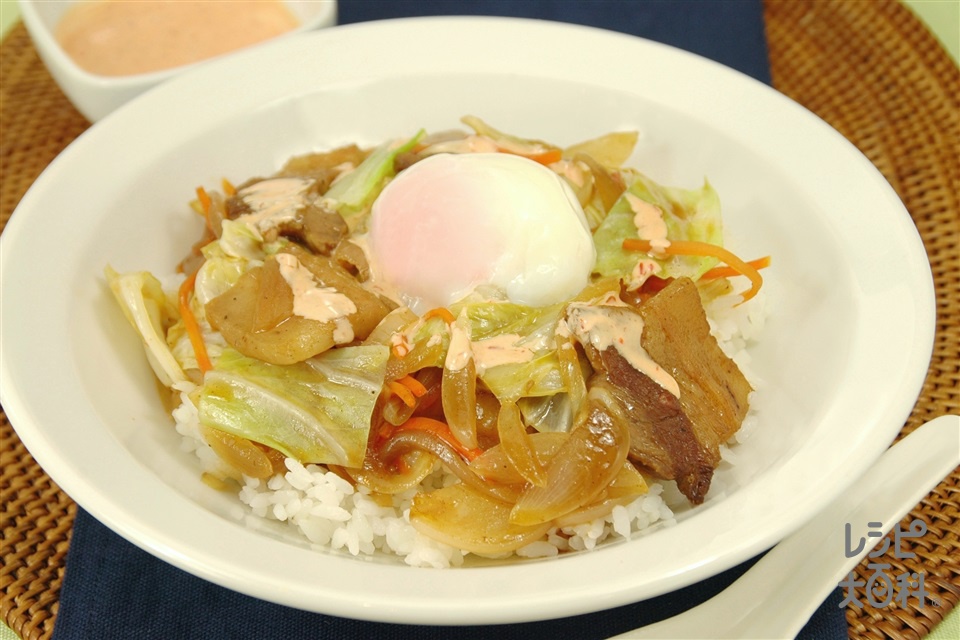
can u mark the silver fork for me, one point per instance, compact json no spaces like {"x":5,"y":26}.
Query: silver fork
{"x":806,"y":566}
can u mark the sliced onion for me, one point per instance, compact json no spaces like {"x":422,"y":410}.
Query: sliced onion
{"x":494,"y":466}
{"x":458,"y":392}
{"x":217,"y":213}
{"x":629,"y":482}
{"x":516,"y":445}
{"x":422,"y":354}
{"x":463,"y":518}
{"x":428,"y":403}
{"x":392,"y":323}
{"x":241,"y":454}
{"x":625,"y":487}
{"x":404,"y":441}
{"x":488,"y":410}
{"x":582,"y":468}
{"x":398,"y":478}
{"x":608,"y":188}
{"x":572,"y":374}
{"x":396,"y":411}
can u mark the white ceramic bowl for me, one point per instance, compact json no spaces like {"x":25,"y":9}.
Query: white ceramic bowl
{"x":843,"y":354}
{"x":97,"y":95}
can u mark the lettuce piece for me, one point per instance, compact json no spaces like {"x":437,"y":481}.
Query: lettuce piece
{"x":148,"y":309}
{"x":353,"y":194}
{"x":318,"y":410}
{"x":690,"y":214}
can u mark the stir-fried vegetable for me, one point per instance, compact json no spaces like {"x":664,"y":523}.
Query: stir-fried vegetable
{"x":146,"y":306}
{"x":318,"y":410}
{"x":686,"y":215}
{"x":547,"y":417}
{"x":353,"y":194}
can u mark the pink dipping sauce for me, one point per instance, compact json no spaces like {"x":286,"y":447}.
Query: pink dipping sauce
{"x":120,"y":37}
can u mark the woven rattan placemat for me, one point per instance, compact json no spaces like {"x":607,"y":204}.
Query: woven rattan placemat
{"x":869,"y":68}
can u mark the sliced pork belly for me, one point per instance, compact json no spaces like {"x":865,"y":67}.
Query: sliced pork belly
{"x":675,"y":430}
{"x":662,"y":439}
{"x":713,"y":392}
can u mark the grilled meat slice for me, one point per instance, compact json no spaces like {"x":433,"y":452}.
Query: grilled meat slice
{"x":714,"y":394}
{"x":662,"y":439}
{"x":680,"y":394}
{"x":303,"y":216}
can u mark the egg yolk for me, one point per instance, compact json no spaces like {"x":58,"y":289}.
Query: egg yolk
{"x":453,"y":222}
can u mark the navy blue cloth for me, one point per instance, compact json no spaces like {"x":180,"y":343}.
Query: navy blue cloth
{"x":728,"y":31}
{"x":112,"y":589}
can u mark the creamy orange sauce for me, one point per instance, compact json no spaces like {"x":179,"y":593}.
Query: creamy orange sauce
{"x":459,"y":353}
{"x":323,"y":304}
{"x":273,"y":202}
{"x":499,"y":350}
{"x":641,"y":272}
{"x":648,"y":219}
{"x":598,"y":326}
{"x":124,"y":37}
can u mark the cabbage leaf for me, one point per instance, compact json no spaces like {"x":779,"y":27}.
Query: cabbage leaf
{"x":147,"y":307}
{"x":316,"y":411}
{"x":689,"y":214}
{"x":512,"y":143}
{"x":353,"y":194}
{"x":540,"y":376}
{"x":533,"y":325}
{"x":548,"y":413}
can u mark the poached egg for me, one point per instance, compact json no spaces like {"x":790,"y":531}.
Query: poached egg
{"x":453,"y":222}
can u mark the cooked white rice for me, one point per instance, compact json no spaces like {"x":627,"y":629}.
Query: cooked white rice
{"x":331,"y":513}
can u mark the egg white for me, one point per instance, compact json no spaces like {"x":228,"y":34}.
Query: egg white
{"x":453,"y":222}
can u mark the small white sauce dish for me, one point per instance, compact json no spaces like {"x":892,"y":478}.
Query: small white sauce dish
{"x":96,"y":95}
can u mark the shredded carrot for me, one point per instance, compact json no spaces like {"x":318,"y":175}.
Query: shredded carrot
{"x":415,"y":386}
{"x":729,"y":272}
{"x":204,"y":198}
{"x":228,"y":187}
{"x":440,"y":312}
{"x":206,"y":204}
{"x":190,"y":323}
{"x":442,"y":431}
{"x":545,"y":158}
{"x":695,"y":248}
{"x":548,"y":157}
{"x":402,"y":392}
